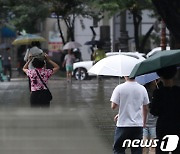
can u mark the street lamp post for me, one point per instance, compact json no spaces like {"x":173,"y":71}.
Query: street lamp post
{"x":123,"y":40}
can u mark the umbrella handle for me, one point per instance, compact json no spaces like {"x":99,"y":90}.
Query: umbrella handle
{"x":156,"y":84}
{"x":119,"y":80}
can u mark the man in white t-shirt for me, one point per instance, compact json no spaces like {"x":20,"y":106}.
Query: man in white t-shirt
{"x":131,"y":98}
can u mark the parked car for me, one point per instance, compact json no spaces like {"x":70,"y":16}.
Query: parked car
{"x":156,"y":50}
{"x":80,"y":69}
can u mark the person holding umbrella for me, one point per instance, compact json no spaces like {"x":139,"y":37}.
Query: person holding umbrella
{"x":166,"y":105}
{"x":132,"y":100}
{"x":69,"y":59}
{"x":149,"y":132}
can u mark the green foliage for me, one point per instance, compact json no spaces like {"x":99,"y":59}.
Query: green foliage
{"x":68,"y":10}
{"x":114,"y":6}
{"x":24,"y":14}
{"x":3,"y":11}
{"x":135,"y":7}
{"x":65,"y":8}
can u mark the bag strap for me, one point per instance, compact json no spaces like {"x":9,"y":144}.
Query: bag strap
{"x":41,"y":79}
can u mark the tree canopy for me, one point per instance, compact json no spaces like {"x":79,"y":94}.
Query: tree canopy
{"x":68,"y":11}
{"x":135,"y":7}
{"x":24,"y":14}
{"x":170,"y":13}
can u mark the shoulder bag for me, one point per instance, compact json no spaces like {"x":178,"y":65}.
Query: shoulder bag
{"x":46,"y":92}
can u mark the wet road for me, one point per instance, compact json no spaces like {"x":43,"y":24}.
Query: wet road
{"x":79,"y":121}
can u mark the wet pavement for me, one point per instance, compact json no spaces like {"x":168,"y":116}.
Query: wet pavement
{"x":79,"y":120}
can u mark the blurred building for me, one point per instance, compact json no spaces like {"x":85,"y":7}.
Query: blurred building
{"x":108,"y":30}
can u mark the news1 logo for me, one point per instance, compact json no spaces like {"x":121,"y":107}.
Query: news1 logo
{"x":168,"y":143}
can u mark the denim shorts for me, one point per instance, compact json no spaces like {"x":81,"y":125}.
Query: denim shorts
{"x":149,"y":132}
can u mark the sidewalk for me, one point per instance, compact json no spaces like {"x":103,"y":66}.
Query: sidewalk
{"x":48,"y":131}
{"x":79,"y":121}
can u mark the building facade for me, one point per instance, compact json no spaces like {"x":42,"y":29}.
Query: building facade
{"x":108,"y":29}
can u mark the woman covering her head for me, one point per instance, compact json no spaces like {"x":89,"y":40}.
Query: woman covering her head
{"x":33,"y":51}
{"x":38,"y":63}
{"x":37,"y":86}
{"x":166,"y":105}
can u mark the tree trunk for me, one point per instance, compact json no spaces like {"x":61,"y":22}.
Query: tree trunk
{"x":71,"y":33}
{"x":70,"y":29}
{"x":60,"y":30}
{"x":136,"y":20}
{"x":145,"y":38}
{"x":169,"y":11}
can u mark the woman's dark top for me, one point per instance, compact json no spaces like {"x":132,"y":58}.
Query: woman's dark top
{"x":166,"y":105}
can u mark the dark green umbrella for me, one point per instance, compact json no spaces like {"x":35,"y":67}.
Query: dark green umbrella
{"x":159,"y":60}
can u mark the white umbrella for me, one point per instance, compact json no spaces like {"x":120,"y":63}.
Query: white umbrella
{"x":71,"y":45}
{"x":118,"y":65}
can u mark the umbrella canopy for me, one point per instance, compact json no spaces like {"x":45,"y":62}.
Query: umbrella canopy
{"x":71,"y":45}
{"x":146,"y":78}
{"x":27,"y":39}
{"x":160,"y":60}
{"x":7,"y":32}
{"x":94,"y":42}
{"x":118,"y":65}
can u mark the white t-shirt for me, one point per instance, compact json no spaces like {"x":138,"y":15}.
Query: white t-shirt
{"x":69,"y":58}
{"x":130,"y":96}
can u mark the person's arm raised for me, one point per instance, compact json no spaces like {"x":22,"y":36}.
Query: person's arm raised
{"x":55,"y":66}
{"x":25,"y":67}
